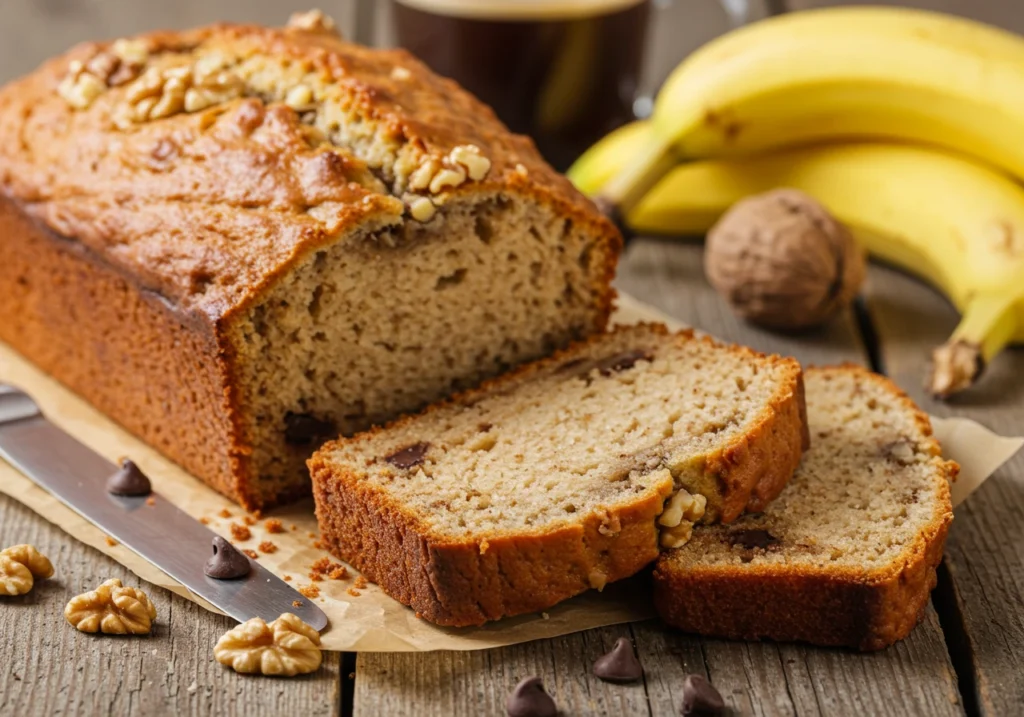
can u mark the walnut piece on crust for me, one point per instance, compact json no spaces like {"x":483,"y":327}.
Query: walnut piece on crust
{"x":286,"y":647}
{"x":113,"y":609}
{"x":20,"y":567}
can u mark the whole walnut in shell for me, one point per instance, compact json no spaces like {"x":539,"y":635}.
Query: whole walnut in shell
{"x":782,"y":261}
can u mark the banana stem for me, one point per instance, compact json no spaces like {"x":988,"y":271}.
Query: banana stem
{"x":625,"y":190}
{"x":988,"y":324}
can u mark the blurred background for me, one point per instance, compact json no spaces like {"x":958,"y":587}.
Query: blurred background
{"x":33,"y":30}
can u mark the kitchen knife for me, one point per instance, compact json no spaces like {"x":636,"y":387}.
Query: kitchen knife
{"x":149,"y":525}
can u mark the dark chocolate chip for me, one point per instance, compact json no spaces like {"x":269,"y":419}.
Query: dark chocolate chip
{"x":751,"y":539}
{"x":619,"y":665}
{"x":410,"y":456}
{"x":302,"y":429}
{"x":529,"y":699}
{"x":226,"y":563}
{"x":700,"y":698}
{"x":129,"y":481}
{"x":622,"y":361}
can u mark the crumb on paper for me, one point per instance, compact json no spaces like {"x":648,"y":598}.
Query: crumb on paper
{"x":297,"y":603}
{"x":268,"y":547}
{"x":312,"y":535}
{"x":318,"y":545}
{"x":249,"y":520}
{"x":110,"y":541}
{"x":353,"y":592}
{"x":294,"y":527}
{"x":273,"y":525}
{"x":310,"y":591}
{"x":150,"y":501}
{"x":287,"y":578}
{"x":204,"y":520}
{"x":251,"y":553}
{"x":338,"y":573}
{"x":315,"y":576}
{"x":240,"y":532}
{"x":321,"y":566}
{"x":360,"y":582}
{"x":224,"y":513}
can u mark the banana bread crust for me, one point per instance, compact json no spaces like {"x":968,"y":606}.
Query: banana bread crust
{"x":184,"y":223}
{"x":478,"y":580}
{"x":838,"y":606}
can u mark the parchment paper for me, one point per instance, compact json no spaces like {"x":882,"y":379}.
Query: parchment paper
{"x":369,"y":621}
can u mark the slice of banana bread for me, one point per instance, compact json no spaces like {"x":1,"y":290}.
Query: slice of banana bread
{"x":847,"y":553}
{"x":551,"y":480}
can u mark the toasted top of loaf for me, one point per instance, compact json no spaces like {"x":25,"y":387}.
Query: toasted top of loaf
{"x":598,"y":425}
{"x":869,"y":496}
{"x":206,"y":163}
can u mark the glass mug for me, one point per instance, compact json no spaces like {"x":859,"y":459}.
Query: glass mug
{"x":565,"y":72}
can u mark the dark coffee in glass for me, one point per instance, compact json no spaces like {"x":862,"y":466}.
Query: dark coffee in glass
{"x":564,"y":72}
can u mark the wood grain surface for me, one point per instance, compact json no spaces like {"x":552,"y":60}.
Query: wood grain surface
{"x":971,"y":645}
{"x":983,"y":586}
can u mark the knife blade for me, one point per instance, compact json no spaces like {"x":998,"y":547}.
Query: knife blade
{"x":150,"y":526}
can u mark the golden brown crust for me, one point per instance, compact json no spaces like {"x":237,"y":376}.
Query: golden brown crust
{"x":862,"y":609}
{"x":185,"y":222}
{"x":486,"y":578}
{"x":209,"y":208}
{"x":471,"y":582}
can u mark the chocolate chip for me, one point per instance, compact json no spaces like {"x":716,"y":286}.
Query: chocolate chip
{"x":619,"y":665}
{"x":226,"y":563}
{"x":622,"y":361}
{"x":302,"y":429}
{"x":129,"y":481}
{"x":410,"y":456}
{"x":700,"y":698}
{"x":751,"y":539}
{"x":529,"y":699}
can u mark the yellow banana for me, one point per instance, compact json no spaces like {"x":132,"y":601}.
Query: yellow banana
{"x":955,"y":223}
{"x":838,"y":73}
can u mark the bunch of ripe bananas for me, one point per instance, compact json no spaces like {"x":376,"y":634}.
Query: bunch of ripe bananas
{"x":908,"y":126}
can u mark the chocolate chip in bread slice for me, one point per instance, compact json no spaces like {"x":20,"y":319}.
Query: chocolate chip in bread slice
{"x":846,"y":555}
{"x":558,"y":477}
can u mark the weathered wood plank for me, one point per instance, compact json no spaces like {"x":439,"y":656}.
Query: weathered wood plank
{"x":914,"y":677}
{"x":985,"y":551}
{"x":49,"y":668}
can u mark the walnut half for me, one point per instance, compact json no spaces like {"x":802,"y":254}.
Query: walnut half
{"x":682,"y":510}
{"x":113,"y":609}
{"x":20,"y":567}
{"x":287,"y":647}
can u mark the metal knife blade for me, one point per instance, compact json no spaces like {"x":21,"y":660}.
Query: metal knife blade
{"x":155,"y":529}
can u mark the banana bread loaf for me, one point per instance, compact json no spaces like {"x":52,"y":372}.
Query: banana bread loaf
{"x":559,"y":477}
{"x":237,"y":241}
{"x":846,"y":555}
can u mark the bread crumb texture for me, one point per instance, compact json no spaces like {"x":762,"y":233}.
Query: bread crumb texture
{"x":847,"y":553}
{"x":562,"y":466}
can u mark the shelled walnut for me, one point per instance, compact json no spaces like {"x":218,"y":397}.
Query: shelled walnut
{"x":782,"y":261}
{"x":286,"y":647}
{"x":112,"y":609}
{"x":682,"y":510}
{"x":20,"y":567}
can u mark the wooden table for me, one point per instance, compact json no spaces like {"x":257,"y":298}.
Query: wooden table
{"x":967,"y":657}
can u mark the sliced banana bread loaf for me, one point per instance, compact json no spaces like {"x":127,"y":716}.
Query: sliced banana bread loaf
{"x":238,"y":241}
{"x":558,"y":477}
{"x":846,"y":555}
